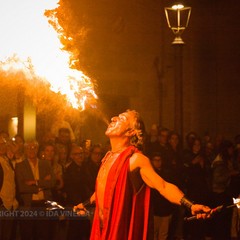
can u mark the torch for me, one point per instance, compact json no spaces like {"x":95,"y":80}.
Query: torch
{"x":52,"y":205}
{"x":236,"y":203}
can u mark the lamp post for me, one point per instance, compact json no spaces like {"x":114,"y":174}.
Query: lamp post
{"x":177,"y":19}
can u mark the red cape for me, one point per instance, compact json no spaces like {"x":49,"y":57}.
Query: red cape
{"x":126,"y":212}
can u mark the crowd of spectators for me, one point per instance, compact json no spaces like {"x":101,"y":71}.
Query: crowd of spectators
{"x":59,"y":169}
{"x":36,"y":175}
{"x":207,"y":170}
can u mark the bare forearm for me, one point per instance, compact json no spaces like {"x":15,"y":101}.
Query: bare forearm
{"x":175,"y":195}
{"x":171,"y":192}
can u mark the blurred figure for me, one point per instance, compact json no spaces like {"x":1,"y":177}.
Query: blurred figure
{"x":192,"y":155}
{"x":209,"y":153}
{"x":64,"y":138}
{"x":48,"y":137}
{"x":76,"y":188}
{"x":92,"y":165}
{"x":235,"y":189}
{"x":8,"y":200}
{"x":237,"y":151}
{"x":162,"y":208}
{"x":4,"y":135}
{"x":62,"y":156}
{"x":14,"y":152}
{"x":222,"y":171}
{"x":163,"y":145}
{"x":219,"y":138}
{"x":177,"y":170}
{"x":62,"y":124}
{"x":198,"y":188}
{"x":190,"y":137}
{"x":235,"y":225}
{"x":152,"y":140}
{"x":35,"y":181}
{"x":235,"y":181}
{"x":175,"y":162}
{"x":19,"y":148}
{"x":10,"y":153}
{"x":86,"y":148}
{"x":49,"y":155}
{"x":206,"y":138}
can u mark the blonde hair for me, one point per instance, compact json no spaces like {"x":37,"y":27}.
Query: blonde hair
{"x":137,"y":139}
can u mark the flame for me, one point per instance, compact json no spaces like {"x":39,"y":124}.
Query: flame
{"x":236,"y":201}
{"x":31,"y":45}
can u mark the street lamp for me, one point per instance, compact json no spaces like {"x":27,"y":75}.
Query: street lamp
{"x":177,"y":19}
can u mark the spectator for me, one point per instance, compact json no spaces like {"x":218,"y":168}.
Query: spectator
{"x":219,"y":138}
{"x":7,"y":193}
{"x":49,"y":155}
{"x":221,"y":177}
{"x":92,"y":165}
{"x":152,"y":140}
{"x":177,"y":170}
{"x":189,"y":142}
{"x":19,"y":148}
{"x":62,"y":156}
{"x":35,"y":181}
{"x":163,"y":145}
{"x":209,"y":153}
{"x":198,"y":188}
{"x":76,"y":188}
{"x":64,"y":138}
{"x":86,"y":145}
{"x":162,"y":208}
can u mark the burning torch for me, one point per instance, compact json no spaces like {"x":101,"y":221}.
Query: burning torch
{"x":236,"y":203}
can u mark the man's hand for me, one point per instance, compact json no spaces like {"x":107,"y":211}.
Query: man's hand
{"x":80,"y":209}
{"x":201,"y":211}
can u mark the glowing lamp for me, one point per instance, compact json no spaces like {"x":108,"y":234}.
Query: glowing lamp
{"x":177,"y":19}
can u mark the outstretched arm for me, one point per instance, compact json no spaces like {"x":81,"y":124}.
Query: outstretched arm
{"x":168,"y":190}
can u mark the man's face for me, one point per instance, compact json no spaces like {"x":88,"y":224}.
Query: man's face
{"x":163,"y":136}
{"x":157,"y":162}
{"x":62,"y":154}
{"x":31,"y":150}
{"x":96,"y":155}
{"x":64,"y":137}
{"x":120,"y":124}
{"x":174,"y":140}
{"x":77,"y":155}
{"x":49,"y":153}
{"x":196,"y":146}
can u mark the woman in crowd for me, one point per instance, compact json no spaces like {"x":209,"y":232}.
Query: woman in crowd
{"x":197,"y":187}
{"x":222,"y":173}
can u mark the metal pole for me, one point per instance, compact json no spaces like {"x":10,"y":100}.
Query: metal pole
{"x":178,"y":58}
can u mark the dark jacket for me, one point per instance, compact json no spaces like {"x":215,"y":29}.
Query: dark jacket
{"x":24,"y":173}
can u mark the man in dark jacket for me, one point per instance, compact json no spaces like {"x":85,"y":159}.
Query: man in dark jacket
{"x":34,"y":181}
{"x":76,"y":189}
